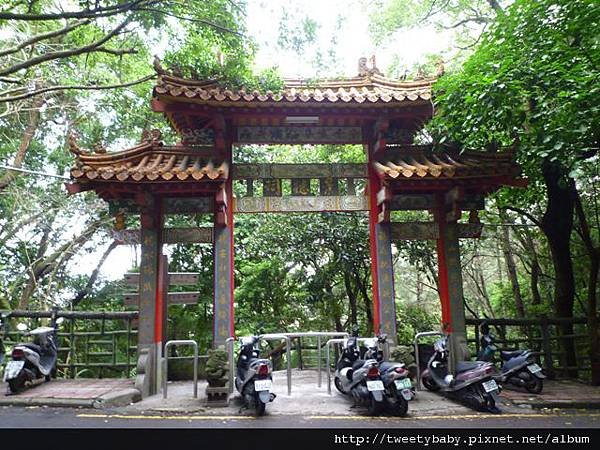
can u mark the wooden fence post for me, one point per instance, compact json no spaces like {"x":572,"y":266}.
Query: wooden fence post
{"x":547,"y":348}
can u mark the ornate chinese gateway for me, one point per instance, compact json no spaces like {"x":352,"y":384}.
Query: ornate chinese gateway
{"x":197,"y":174}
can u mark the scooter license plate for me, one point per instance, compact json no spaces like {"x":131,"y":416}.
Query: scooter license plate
{"x":12,"y":369}
{"x":376,"y":385}
{"x":262,"y":385}
{"x":405,"y":383}
{"x":490,"y":386}
{"x":534,"y":368}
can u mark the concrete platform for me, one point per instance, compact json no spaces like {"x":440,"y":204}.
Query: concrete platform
{"x":556,"y":394}
{"x":306,"y":399}
{"x":81,"y":392}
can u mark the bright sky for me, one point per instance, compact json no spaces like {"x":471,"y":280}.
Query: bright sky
{"x":352,"y":41}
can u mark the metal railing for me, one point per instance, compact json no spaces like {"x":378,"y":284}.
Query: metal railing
{"x":318,"y":335}
{"x":542,"y":334}
{"x":416,"y":345}
{"x":288,"y":355}
{"x":165,"y":365}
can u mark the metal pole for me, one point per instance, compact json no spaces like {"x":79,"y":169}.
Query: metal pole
{"x":288,"y":354}
{"x":166,"y":365}
{"x":328,"y":361}
{"x":319,"y":358}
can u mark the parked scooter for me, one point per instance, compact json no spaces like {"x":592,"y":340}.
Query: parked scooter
{"x":397,"y":383}
{"x":360,"y":378}
{"x":518,"y":367}
{"x":33,"y":362}
{"x":254,"y":379}
{"x":473,"y":385}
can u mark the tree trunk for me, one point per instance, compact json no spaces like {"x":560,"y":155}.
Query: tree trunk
{"x":32,"y":125}
{"x":94,"y":276}
{"x":351,"y":298}
{"x":557,"y":225}
{"x":511,"y":267}
{"x":362,"y":287}
{"x":536,"y":270}
{"x":592,"y":299}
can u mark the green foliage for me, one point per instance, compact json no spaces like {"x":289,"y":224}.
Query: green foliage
{"x":413,"y":319}
{"x":533,"y":80}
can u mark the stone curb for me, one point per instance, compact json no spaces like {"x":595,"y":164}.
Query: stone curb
{"x":120,"y":398}
{"x":123,"y":397}
{"x":51,"y":402}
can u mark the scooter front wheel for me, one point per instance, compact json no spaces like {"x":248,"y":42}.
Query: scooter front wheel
{"x":534,"y":385}
{"x":338,"y":385}
{"x":430,"y":384}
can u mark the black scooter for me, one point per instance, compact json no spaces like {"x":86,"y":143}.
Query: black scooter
{"x":398,"y":386}
{"x":360,"y":378}
{"x":254,"y":379}
{"x":519,"y":367}
{"x":32,"y":363}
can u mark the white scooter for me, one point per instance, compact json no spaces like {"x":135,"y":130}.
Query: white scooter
{"x":32,"y":363}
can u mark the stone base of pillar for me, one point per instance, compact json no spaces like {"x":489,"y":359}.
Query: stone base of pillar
{"x":147,"y":380}
{"x":457,"y":345}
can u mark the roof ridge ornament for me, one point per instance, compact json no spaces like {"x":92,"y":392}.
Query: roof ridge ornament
{"x":74,"y":147}
{"x":364,"y":70}
{"x":151,"y":136}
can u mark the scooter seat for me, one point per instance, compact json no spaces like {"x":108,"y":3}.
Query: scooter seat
{"x":358,"y":364}
{"x":388,"y":365}
{"x":509,"y":355}
{"x":36,"y":348}
{"x":463,"y":366}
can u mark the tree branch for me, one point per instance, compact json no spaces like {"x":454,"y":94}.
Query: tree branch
{"x":194,"y":20}
{"x":526,"y":214}
{"x":117,"y":52}
{"x":468,"y":20}
{"x":86,"y":13}
{"x":75,"y":87}
{"x":44,"y":36}
{"x":94,"y":276}
{"x":65,"y":53}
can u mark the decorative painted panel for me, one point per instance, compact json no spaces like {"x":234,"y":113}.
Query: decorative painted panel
{"x":385,"y":276}
{"x":296,"y":135}
{"x":301,"y":186}
{"x":190,"y":205}
{"x":328,"y":186}
{"x":245,"y":171}
{"x":301,"y":204}
{"x":222,"y":285}
{"x":169,"y":236}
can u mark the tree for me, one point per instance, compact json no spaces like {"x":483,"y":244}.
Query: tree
{"x":533,"y":84}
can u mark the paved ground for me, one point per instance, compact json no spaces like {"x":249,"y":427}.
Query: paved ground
{"x":307,"y":398}
{"x":557,"y":394}
{"x":74,"y":418}
{"x":79,"y":392}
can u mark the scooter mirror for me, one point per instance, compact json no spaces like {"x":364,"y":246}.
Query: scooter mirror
{"x":60,"y":320}
{"x":21,"y":327}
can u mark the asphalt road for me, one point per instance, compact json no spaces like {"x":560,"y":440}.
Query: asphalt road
{"x":42,"y":417}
